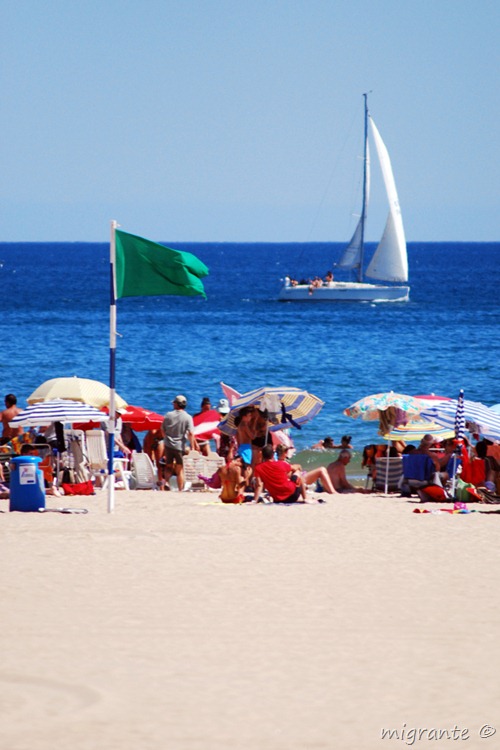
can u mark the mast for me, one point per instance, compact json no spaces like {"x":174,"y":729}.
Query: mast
{"x":363,"y":207}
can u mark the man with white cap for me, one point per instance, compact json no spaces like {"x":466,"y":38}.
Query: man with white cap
{"x":177,"y":429}
{"x":227,"y":445}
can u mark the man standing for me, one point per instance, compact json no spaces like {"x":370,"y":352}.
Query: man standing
{"x":11,"y":410}
{"x":177,"y":428}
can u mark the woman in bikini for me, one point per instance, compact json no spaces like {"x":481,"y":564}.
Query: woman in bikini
{"x":234,"y":478}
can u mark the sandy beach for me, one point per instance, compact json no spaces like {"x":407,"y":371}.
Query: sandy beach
{"x":178,"y":622}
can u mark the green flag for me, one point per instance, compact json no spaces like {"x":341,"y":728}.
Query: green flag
{"x":145,"y":268}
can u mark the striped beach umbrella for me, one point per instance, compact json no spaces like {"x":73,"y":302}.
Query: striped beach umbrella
{"x":459,"y":417}
{"x":478,"y":418}
{"x":417,"y":430}
{"x":284,"y":406}
{"x":57,"y":410}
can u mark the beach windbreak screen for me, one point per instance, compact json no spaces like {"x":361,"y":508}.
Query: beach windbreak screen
{"x":145,"y":268}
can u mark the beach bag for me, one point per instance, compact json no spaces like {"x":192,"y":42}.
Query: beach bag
{"x":461,"y":492}
{"x":434,"y":493}
{"x":81,"y":488}
{"x":490,"y":498}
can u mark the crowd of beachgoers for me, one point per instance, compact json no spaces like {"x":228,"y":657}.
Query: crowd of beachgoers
{"x":257,"y":464}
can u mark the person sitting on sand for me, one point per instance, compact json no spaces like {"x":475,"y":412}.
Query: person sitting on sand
{"x":368,"y":460}
{"x":426,"y":444}
{"x":235,"y":476}
{"x":336,"y":472}
{"x":278,"y":478}
{"x":32,"y":450}
{"x":310,"y":477}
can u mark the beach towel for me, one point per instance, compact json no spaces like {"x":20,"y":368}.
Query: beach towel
{"x":81,"y":488}
{"x":418,"y":466}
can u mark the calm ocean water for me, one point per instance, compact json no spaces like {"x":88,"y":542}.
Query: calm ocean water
{"x":54,"y":322}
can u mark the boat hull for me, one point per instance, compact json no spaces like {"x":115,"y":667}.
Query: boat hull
{"x":348,"y":291}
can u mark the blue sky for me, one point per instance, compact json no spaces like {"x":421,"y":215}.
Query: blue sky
{"x":219,"y":120}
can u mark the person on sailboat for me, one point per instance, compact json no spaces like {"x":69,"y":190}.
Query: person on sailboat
{"x":329,"y":278}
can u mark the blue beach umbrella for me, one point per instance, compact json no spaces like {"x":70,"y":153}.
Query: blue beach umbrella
{"x":57,"y":410}
{"x":477,"y":418}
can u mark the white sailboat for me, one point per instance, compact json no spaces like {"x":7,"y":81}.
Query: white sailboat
{"x":389,"y":262}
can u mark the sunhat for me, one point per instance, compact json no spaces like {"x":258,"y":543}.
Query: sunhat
{"x":223,"y":406}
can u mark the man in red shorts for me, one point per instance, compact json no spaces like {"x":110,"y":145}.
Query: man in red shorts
{"x":275,"y":476}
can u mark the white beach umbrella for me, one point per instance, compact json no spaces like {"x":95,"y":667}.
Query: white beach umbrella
{"x":91,"y":392}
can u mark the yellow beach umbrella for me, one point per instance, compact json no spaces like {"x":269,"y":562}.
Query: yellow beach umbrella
{"x":91,"y":392}
{"x":417,"y":430}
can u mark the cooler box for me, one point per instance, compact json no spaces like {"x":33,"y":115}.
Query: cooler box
{"x":27,"y":490}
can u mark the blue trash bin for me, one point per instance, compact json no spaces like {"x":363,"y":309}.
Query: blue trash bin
{"x":27,"y":489}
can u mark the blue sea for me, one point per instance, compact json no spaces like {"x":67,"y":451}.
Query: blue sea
{"x":54,"y":321}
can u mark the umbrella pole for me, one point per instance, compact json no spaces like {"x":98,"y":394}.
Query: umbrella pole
{"x":112,"y":370}
{"x":387,"y":453}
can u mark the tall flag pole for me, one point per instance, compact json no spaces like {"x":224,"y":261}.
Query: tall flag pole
{"x":139,"y":268}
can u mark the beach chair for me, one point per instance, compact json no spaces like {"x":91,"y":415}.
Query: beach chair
{"x":194,"y":464}
{"x":76,"y":455}
{"x":213,"y":462}
{"x":389,"y":473}
{"x":97,"y":458}
{"x":144,"y":475}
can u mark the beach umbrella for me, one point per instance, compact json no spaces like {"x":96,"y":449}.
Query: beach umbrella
{"x":139,"y":419}
{"x":478,"y":418}
{"x":91,"y":392}
{"x":206,"y":424}
{"x":390,"y":409}
{"x":431,"y":399}
{"x":284,"y":406}
{"x":416,"y":431}
{"x":57,"y":410}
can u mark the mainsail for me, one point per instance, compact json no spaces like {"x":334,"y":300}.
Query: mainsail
{"x":353,"y":254}
{"x":390,"y":262}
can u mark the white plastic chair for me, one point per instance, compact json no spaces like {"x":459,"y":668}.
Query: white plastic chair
{"x":143,"y":472}
{"x":97,"y":456}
